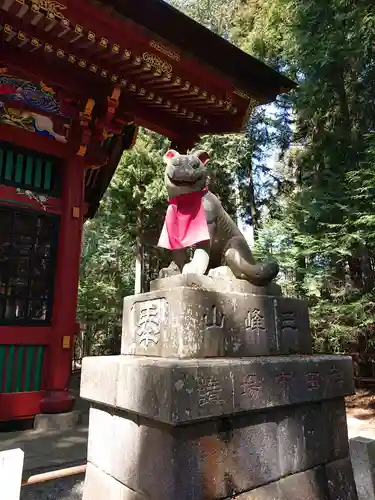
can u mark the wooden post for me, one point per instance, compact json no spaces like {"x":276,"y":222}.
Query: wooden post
{"x":139,"y":251}
{"x":57,"y":398}
{"x":11,"y":466}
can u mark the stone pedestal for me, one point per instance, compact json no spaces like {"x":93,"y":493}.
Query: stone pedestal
{"x":217,"y":396}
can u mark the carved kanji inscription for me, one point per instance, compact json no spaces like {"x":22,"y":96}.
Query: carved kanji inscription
{"x":288,"y":322}
{"x":209,"y":391}
{"x":313,"y":381}
{"x":150,"y":317}
{"x":283,"y":380}
{"x":251,"y":386}
{"x":254,"y":322}
{"x":214,"y":318}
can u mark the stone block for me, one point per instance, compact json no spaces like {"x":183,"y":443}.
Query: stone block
{"x":253,"y":452}
{"x":218,"y":280}
{"x":11,"y":467}
{"x":337,"y":428}
{"x":99,"y":379}
{"x":145,"y":386}
{"x":181,"y":391}
{"x":99,"y":486}
{"x":268,"y":382}
{"x":101,"y":438}
{"x":57,"y":421}
{"x":362,"y":453}
{"x":293,"y":326}
{"x":303,"y":439}
{"x":224,"y":457}
{"x":340,"y":479}
{"x":188,"y":322}
{"x":310,"y":435}
{"x":308,"y":485}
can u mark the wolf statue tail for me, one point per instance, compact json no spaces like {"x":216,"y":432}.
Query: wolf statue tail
{"x":243,"y":265}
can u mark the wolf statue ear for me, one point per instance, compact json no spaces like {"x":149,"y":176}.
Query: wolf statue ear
{"x":202,"y":155}
{"x":169,"y":155}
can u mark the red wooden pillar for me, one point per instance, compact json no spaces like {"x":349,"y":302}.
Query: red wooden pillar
{"x":58,"y":359}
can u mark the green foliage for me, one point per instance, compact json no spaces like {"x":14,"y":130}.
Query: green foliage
{"x":216,"y":15}
{"x":133,"y":204}
{"x":326,"y":194}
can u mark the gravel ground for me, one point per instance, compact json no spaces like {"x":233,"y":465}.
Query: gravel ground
{"x":70,"y":488}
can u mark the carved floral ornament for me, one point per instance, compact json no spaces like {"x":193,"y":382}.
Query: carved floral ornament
{"x":165,"y":50}
{"x":157,"y":63}
{"x":53,"y":8}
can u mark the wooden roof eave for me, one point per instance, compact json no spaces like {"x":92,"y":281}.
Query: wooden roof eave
{"x":181,"y":31}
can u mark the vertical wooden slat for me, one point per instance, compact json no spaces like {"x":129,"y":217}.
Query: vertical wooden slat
{"x":29,"y":368}
{"x":9,"y":369}
{"x":19,"y":369}
{"x":29,"y":171}
{"x":2,"y":365}
{"x":38,"y":173}
{"x":38,"y":368}
{"x":9,"y":165}
{"x":19,"y":169}
{"x":47,"y":175}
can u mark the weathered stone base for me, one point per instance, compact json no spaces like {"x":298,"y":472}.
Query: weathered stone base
{"x":57,"y":421}
{"x":183,"y":391}
{"x":193,"y":322}
{"x":333,"y":481}
{"x":223,"y":457}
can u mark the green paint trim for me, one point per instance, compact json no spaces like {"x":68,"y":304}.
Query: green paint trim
{"x":19,"y":169}
{"x":38,"y":368}
{"x":48,"y":176}
{"x":29,"y":367}
{"x":9,"y":165}
{"x":2,"y":365}
{"x":9,"y":369}
{"x":38,"y":173}
{"x":19,"y":369}
{"x":29,"y":171}
{"x":17,"y":203}
{"x":1,"y":162}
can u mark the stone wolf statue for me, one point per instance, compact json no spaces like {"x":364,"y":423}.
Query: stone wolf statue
{"x":196,"y":219}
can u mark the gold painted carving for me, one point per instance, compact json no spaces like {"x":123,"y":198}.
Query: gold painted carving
{"x":165,"y":50}
{"x":46,"y":89}
{"x":252,"y":105}
{"x":242,"y":94}
{"x":50,"y":6}
{"x":158,"y":64}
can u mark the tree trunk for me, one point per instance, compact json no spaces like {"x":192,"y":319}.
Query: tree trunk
{"x":139,"y":254}
{"x":300,"y":276}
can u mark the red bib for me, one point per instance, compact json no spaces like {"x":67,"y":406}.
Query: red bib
{"x":185,"y":222}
